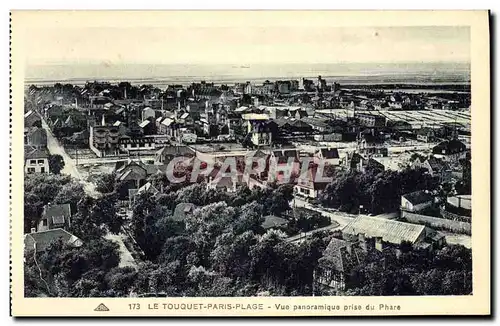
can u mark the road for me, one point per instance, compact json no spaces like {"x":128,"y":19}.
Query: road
{"x":70,"y":168}
{"x":69,"y":165}
{"x":299,"y":237}
{"x":341,"y":218}
{"x":126,"y":259}
{"x":109,"y":160}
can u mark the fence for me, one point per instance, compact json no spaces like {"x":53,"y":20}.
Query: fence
{"x":437,"y":222}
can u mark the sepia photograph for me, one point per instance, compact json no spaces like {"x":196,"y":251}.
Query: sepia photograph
{"x":242,"y":160}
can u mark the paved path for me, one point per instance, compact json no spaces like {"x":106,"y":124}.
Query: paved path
{"x":341,"y":218}
{"x":70,"y":168}
{"x":109,"y":160}
{"x":126,"y":259}
{"x":69,"y":165}
{"x":455,"y":238}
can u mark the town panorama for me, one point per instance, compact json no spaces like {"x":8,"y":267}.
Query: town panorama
{"x":301,"y":187}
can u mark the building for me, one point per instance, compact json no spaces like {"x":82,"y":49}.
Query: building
{"x":134,"y":174}
{"x":55,"y":217}
{"x":450,"y":150}
{"x":147,"y":113}
{"x":426,"y":135}
{"x":35,"y":137}
{"x":104,"y":140}
{"x":340,"y":257}
{"x":307,"y":85}
{"x":36,"y":160}
{"x":31,"y":118}
{"x":137,"y":146}
{"x":308,"y":186}
{"x":354,"y":161}
{"x":183,"y":210}
{"x":147,"y":127}
{"x":167,"y":153}
{"x":458,"y":208}
{"x":263,"y":133}
{"x":392,"y":232}
{"x":370,"y":120}
{"x":283,"y":162}
{"x":147,"y":188}
{"x":40,"y":241}
{"x":416,"y":201}
{"x":435,"y":166}
{"x":327,"y":156}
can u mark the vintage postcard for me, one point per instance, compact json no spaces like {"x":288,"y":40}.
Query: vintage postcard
{"x":250,"y":163}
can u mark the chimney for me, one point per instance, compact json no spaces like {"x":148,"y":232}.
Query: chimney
{"x":379,"y":243}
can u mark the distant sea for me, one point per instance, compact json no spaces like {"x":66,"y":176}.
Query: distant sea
{"x":163,"y":75}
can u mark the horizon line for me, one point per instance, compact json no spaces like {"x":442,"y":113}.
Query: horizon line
{"x":108,"y":63}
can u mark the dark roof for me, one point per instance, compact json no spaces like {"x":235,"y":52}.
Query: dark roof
{"x":34,"y":153}
{"x":272,"y":221}
{"x":374,"y":164}
{"x":329,"y":153}
{"x":336,"y":256}
{"x":37,"y":136}
{"x":59,"y":213}
{"x":182,"y":209}
{"x":437,"y":164}
{"x":176,"y":151}
{"x":43,"y":239}
{"x":418,"y":197}
{"x":283,"y":154}
{"x":450,"y":147}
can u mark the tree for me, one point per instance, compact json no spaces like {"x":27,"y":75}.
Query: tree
{"x":56,"y":163}
{"x":106,"y":182}
{"x":70,"y":193}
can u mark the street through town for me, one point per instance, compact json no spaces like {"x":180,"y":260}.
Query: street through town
{"x":70,"y":168}
{"x":69,"y":165}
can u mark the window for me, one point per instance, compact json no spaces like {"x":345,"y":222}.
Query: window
{"x":31,"y":170}
{"x":32,"y":161}
{"x":40,"y":161}
{"x":44,"y":222}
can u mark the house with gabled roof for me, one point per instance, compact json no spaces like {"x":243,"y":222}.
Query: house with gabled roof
{"x":167,"y":153}
{"x":339,"y":259}
{"x":450,"y":150}
{"x":309,"y":184}
{"x":30,"y":118}
{"x":416,"y":201}
{"x":55,"y":216}
{"x":35,"y":137}
{"x":283,"y":162}
{"x":36,"y":160}
{"x":40,"y":241}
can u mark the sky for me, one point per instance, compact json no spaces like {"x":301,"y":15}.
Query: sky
{"x":234,"y":43}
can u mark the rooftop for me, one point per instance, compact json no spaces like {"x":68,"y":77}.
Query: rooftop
{"x":390,"y":230}
{"x":418,"y":197}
